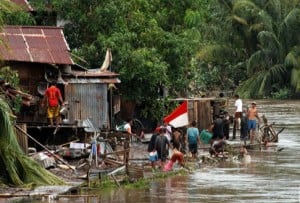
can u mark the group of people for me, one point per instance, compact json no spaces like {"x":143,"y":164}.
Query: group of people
{"x":245,"y":119}
{"x":216,"y":135}
{"x":164,"y":148}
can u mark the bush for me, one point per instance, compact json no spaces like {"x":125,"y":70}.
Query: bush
{"x":283,"y":93}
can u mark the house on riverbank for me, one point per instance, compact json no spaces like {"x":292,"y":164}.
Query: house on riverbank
{"x":40,"y":55}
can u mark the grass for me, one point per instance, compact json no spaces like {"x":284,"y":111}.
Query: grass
{"x":143,"y":183}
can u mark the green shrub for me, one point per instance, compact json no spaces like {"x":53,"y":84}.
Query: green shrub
{"x":283,"y":93}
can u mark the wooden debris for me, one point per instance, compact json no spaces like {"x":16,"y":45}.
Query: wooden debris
{"x":113,"y":162}
{"x":267,"y":132}
{"x":54,"y":155}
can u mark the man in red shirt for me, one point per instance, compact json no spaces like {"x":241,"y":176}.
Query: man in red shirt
{"x":53,"y":97}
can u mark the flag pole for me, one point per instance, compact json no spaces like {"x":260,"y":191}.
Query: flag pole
{"x":110,"y":97}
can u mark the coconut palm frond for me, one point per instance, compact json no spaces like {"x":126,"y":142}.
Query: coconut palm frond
{"x":295,"y":79}
{"x":17,"y":168}
{"x":274,"y":8}
{"x":269,"y":77}
{"x":277,"y":72}
{"x":256,"y":27}
{"x":239,"y":20}
{"x":264,"y":20}
{"x":292,"y":19}
{"x":245,"y":6}
{"x":261,"y":83}
{"x":264,"y":83}
{"x":192,"y":18}
{"x":268,"y":41}
{"x":292,"y":59}
{"x":290,"y":29}
{"x":249,"y":88}
{"x":256,"y":62}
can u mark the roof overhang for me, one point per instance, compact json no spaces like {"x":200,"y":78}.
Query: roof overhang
{"x":38,"y":44}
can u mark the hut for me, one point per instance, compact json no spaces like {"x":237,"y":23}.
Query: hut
{"x":40,"y":54}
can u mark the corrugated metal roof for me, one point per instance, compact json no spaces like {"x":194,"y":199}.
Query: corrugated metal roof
{"x":94,"y":73}
{"x":24,"y":4}
{"x":93,"y":80}
{"x":40,"y":44}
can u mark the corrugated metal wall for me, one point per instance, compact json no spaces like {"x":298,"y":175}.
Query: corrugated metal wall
{"x":88,"y":101}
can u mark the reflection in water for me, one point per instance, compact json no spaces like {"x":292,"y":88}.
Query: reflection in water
{"x":272,"y":176}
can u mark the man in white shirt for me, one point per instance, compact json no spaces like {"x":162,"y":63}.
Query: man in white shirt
{"x":238,"y":113}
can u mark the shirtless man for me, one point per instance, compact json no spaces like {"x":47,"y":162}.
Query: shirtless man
{"x":252,"y":115}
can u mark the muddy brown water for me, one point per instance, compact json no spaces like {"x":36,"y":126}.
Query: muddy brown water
{"x":272,"y":176}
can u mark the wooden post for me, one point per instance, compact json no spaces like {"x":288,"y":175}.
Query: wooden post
{"x":234,"y":129}
{"x":126,"y":154}
{"x":22,"y":138}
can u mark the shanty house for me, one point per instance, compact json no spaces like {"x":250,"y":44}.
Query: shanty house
{"x":40,"y":54}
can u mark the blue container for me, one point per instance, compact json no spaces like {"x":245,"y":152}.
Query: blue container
{"x":153,"y":156}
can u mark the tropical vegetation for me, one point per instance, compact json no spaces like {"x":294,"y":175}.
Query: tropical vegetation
{"x":16,"y":168}
{"x":167,"y":49}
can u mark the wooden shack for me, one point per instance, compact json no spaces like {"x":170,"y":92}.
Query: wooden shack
{"x":40,"y":55}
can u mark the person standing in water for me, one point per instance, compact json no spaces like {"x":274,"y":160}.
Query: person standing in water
{"x":238,"y":104}
{"x":252,"y":116}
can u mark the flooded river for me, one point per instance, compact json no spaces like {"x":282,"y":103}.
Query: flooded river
{"x":272,"y":176}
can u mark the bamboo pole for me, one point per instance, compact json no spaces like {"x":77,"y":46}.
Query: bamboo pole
{"x":54,"y":155}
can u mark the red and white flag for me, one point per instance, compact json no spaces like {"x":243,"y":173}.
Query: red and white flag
{"x":179,"y":117}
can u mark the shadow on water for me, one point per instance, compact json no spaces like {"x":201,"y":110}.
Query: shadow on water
{"x":272,"y":176}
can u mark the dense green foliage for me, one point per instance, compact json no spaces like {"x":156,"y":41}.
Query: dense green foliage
{"x":12,"y":78}
{"x":262,"y":37}
{"x":187,"y":47}
{"x":11,"y":14}
{"x":152,"y":43}
{"x":16,"y":168}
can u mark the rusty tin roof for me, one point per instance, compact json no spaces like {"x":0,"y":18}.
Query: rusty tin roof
{"x":40,"y":44}
{"x":23,"y":4}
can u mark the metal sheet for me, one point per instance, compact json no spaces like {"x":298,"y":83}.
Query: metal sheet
{"x":39,"y":44}
{"x":88,"y":101}
{"x":93,"y":80}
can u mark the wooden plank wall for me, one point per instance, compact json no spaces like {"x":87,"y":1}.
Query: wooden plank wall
{"x":201,"y":112}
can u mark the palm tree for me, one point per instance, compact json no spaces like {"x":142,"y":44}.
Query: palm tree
{"x":263,"y":37}
{"x":276,"y":62}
